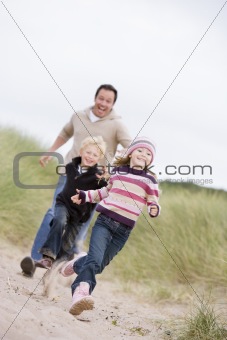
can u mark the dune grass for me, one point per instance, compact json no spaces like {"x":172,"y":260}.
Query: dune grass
{"x":204,"y":323}
{"x":173,"y":257}
{"x":22,"y":209}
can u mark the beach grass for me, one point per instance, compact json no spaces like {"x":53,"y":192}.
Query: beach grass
{"x":22,"y":208}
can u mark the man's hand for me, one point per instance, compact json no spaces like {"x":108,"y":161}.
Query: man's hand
{"x":43,"y":161}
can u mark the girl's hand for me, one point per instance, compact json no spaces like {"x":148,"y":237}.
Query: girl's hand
{"x":153,"y":210}
{"x":75,"y":198}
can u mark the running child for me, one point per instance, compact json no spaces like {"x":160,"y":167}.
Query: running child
{"x":131,"y":186}
{"x":81,"y":173}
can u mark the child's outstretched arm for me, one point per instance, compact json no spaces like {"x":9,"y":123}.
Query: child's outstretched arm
{"x":91,"y":196}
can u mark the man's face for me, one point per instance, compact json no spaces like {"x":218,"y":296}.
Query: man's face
{"x":103,"y":103}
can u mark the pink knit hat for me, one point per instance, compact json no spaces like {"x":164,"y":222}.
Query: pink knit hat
{"x":142,"y":142}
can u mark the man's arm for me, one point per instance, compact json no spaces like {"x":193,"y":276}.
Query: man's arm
{"x":65,"y":134}
{"x":59,"y":141}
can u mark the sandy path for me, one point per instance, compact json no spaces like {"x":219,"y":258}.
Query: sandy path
{"x":26,"y":313}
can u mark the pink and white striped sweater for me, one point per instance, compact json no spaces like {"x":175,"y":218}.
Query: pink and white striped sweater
{"x":125,"y":196}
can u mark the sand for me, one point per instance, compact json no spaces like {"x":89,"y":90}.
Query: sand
{"x":37,"y":308}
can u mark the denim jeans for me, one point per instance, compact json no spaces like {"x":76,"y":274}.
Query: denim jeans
{"x":59,"y":244}
{"x":107,"y":239}
{"x":53,"y":243}
{"x":81,"y":237}
{"x":44,"y":228}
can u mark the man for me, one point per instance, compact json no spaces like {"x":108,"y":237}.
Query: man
{"x":99,"y":119}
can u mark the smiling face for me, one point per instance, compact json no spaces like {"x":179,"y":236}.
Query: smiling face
{"x":90,"y":155}
{"x":104,"y":102}
{"x":140,"y":158}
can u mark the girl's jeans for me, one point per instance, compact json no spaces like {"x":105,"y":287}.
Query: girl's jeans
{"x":107,"y":239}
{"x":44,"y":228}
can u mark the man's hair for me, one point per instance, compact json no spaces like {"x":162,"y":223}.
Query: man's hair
{"x":96,"y":141}
{"x":107,"y":87}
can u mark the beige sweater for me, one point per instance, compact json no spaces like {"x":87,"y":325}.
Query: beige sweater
{"x":111,"y":128}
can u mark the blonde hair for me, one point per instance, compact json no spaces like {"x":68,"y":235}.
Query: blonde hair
{"x":96,"y":141}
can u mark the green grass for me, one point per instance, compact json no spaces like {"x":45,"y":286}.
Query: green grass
{"x":22,"y":209}
{"x":203,"y":323}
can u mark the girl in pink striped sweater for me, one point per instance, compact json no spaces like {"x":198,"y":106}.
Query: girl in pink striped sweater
{"x":131,"y":186}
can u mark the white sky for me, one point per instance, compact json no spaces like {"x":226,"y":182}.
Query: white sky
{"x":139,"y":46}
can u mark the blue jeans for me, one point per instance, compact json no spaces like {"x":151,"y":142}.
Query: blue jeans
{"x":59,"y":244}
{"x":107,"y":239}
{"x":44,"y":228}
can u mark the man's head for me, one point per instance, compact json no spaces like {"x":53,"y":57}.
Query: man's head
{"x":92,"y":150}
{"x":105,"y":97}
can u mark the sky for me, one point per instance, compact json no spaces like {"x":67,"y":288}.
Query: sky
{"x":167,"y":60}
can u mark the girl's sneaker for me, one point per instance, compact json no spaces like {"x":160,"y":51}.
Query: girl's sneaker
{"x":82,"y":300}
{"x":67,"y":269}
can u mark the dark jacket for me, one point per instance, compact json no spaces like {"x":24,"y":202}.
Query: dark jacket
{"x":75,"y":180}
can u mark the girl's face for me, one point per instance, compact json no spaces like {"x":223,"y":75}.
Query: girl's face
{"x":90,"y":155}
{"x":140,"y":158}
